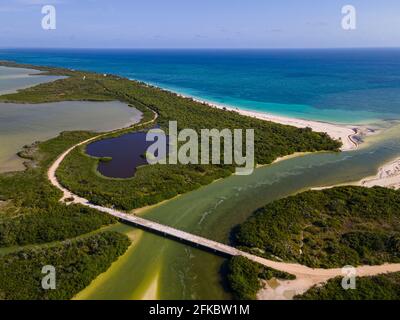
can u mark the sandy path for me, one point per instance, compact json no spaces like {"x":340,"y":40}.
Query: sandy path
{"x":286,"y":289}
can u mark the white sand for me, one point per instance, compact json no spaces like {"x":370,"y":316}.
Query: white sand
{"x":388,"y":176}
{"x":275,"y":289}
{"x":286,"y":289}
{"x":343,"y":133}
{"x":349,"y":135}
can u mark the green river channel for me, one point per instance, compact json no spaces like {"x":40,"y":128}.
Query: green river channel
{"x":158,"y":268}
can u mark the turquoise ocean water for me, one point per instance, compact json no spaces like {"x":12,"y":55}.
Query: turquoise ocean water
{"x":339,"y":85}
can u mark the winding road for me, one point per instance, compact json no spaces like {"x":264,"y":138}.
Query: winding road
{"x":305,"y":276}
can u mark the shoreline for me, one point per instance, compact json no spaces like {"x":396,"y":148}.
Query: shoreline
{"x":388,"y":176}
{"x":350,"y":135}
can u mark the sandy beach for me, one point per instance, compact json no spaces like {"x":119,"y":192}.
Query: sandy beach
{"x":350,"y":135}
{"x":347,"y":134}
{"x":388,"y":176}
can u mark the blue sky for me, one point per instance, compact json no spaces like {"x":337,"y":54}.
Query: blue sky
{"x":199,"y":24}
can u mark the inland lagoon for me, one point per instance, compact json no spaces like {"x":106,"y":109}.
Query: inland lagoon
{"x":121,"y":155}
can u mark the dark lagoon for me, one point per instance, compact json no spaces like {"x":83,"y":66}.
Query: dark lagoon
{"x":126,"y":153}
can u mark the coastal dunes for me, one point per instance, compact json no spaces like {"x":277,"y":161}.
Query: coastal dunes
{"x":347,"y":134}
{"x":387,"y":176}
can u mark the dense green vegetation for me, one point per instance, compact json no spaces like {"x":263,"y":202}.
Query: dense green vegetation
{"x":30,"y":212}
{"x":328,"y":228}
{"x":34,"y":213}
{"x":76,"y":264}
{"x":244,"y":277}
{"x":150,"y":185}
{"x":153,"y":184}
{"x":381,"y":287}
{"x":47,"y":226}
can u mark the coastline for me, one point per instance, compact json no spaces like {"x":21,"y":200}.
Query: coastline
{"x":350,"y":135}
{"x":388,"y":176}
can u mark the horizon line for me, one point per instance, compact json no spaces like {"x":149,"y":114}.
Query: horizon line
{"x":201,"y":48}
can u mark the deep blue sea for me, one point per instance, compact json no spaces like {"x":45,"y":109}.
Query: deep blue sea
{"x":341,"y":85}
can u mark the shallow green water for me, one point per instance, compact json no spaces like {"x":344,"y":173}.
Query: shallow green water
{"x":12,"y":79}
{"x":22,"y":124}
{"x":212,"y":211}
